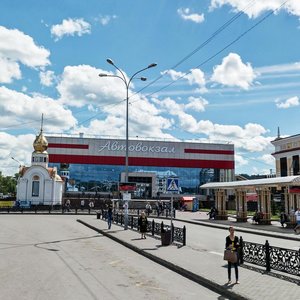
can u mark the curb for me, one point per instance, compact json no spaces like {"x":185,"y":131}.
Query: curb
{"x":240,"y":229}
{"x":181,"y":271}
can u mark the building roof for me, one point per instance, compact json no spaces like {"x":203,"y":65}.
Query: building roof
{"x":269,"y":182}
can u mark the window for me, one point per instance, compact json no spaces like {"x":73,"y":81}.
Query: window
{"x":35,"y":186}
{"x":295,"y":164}
{"x":283,"y":166}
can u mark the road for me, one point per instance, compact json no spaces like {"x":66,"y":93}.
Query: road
{"x":55,"y":257}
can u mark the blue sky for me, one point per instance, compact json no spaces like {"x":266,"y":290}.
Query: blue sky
{"x":228,"y":71}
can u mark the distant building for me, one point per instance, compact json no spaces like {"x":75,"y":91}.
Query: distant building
{"x":39,"y":184}
{"x":96,"y":162}
{"x":287,"y":151}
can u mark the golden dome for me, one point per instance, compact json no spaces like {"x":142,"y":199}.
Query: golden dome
{"x":40,"y":143}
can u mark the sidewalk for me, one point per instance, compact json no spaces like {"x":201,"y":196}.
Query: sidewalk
{"x":199,"y":266}
{"x":273,"y":230}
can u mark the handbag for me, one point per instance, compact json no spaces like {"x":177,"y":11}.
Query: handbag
{"x":230,"y":256}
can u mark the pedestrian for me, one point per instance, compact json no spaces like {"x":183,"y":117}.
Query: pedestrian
{"x":148,"y":209}
{"x":283,"y":218}
{"x":297,"y":215}
{"x":68,"y":205}
{"x":82,"y":203}
{"x":91,"y":204}
{"x":232,"y":243}
{"x":109,"y":217}
{"x":143,"y":222}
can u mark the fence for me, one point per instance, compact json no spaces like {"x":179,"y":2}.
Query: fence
{"x":269,"y":257}
{"x":177,"y":234}
{"x":154,"y":213}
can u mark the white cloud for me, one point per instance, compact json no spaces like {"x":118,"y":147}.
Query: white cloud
{"x":196,"y":104}
{"x":258,"y":7}
{"x":81,"y":85}
{"x":233,"y":72}
{"x":185,"y":14}
{"x":18,"y":108}
{"x":17,"y":146}
{"x":251,"y":137}
{"x":104,"y":20}
{"x":70,"y":27}
{"x":15,"y":48}
{"x":291,"y":102}
{"x":47,"y":78}
{"x":195,"y":76}
{"x":9,"y":70}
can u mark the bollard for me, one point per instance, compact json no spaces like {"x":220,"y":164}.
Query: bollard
{"x":241,"y":254}
{"x":268,"y":261}
{"x":184,"y":236}
{"x":98,"y":215}
{"x":153,"y":226}
{"x":172,"y":232}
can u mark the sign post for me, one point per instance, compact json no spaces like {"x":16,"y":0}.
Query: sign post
{"x":172,"y":186}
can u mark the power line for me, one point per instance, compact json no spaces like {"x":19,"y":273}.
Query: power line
{"x":217,"y":53}
{"x":206,"y":42}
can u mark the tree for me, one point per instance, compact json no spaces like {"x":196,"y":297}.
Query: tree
{"x":8,"y":184}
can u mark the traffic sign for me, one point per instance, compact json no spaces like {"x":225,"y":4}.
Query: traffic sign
{"x":172,"y":185}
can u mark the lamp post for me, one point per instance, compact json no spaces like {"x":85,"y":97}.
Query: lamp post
{"x":127,"y":85}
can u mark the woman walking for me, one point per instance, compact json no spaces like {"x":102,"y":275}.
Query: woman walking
{"x":232,"y":243}
{"x":143,"y":225}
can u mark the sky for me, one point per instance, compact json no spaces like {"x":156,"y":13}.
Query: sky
{"x":227,"y":72}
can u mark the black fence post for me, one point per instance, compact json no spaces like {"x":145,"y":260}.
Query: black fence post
{"x":167,"y":213}
{"x":241,"y":254}
{"x":174,"y":211}
{"x":89,"y":211}
{"x":49,"y":209}
{"x":172,"y":232}
{"x":153,"y":226}
{"x":76,"y":210}
{"x":162,"y":226}
{"x":184,"y":236}
{"x":131,"y":222}
{"x":35,"y":209}
{"x":268,"y":261}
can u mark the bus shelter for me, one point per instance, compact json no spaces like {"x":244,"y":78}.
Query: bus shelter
{"x":289,"y":186}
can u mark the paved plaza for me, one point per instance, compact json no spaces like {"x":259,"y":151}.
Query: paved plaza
{"x":207,"y":266}
{"x":69,"y":262}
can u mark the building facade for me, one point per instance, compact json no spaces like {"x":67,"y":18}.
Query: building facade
{"x":98,"y":163}
{"x":287,"y":152}
{"x":39,"y":184}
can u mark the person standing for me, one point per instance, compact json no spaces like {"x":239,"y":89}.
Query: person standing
{"x":82,"y":203}
{"x":143,"y":222}
{"x":148,"y":209}
{"x":109,"y":217}
{"x":297,"y":215}
{"x":232,"y":243}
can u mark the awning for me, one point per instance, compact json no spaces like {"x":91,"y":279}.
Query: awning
{"x":268,"y":182}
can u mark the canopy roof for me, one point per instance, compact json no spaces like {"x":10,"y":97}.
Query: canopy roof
{"x":267,"y":182}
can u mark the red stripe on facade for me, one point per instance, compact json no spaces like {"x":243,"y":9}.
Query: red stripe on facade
{"x":141,"y":161}
{"x":68,"y":146}
{"x":207,"y":151}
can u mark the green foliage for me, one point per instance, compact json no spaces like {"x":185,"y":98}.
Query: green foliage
{"x":8,"y":184}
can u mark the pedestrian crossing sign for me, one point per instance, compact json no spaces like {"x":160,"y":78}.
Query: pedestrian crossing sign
{"x":172,"y":185}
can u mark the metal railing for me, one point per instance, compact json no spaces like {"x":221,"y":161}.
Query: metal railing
{"x":178,"y":235}
{"x":166,"y":213}
{"x":271,"y":258}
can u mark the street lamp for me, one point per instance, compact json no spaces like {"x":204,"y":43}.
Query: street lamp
{"x":127,"y":85}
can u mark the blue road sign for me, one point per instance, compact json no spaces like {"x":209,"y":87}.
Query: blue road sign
{"x":172,"y":185}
